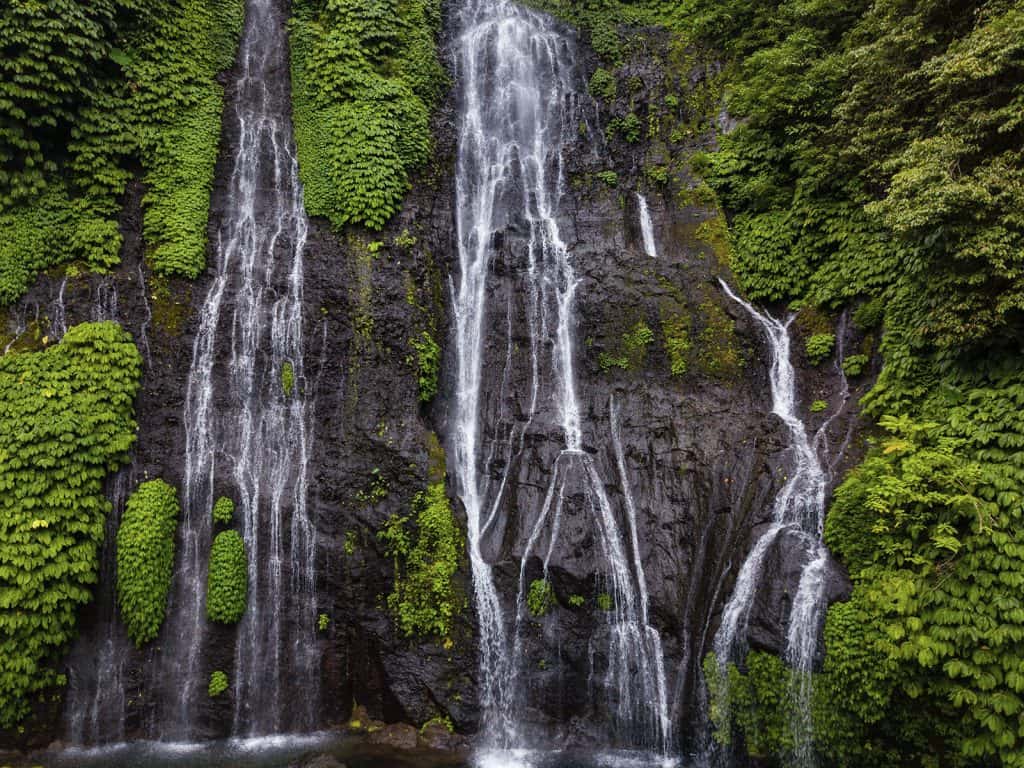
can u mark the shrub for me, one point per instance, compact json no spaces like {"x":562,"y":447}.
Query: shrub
{"x":540,"y":597}
{"x":818,"y":406}
{"x":854,"y":364}
{"x":66,"y":422}
{"x":605,"y":602}
{"x":145,"y":558}
{"x":218,"y":684}
{"x":676,"y":329}
{"x":223,"y":510}
{"x":819,"y":347}
{"x":227,"y":583}
{"x":602,"y":85}
{"x":611,"y":178}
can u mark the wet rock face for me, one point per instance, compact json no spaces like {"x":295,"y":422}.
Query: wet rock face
{"x":701,"y":454}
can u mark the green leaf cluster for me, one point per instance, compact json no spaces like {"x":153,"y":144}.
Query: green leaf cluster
{"x":819,"y":347}
{"x":66,"y":423}
{"x":227,"y":583}
{"x":365,"y":76}
{"x":426,"y":546}
{"x":218,"y":684}
{"x":540,"y":597}
{"x":145,"y":558}
{"x":428,"y":364}
{"x":93,"y":92}
{"x":223,"y":510}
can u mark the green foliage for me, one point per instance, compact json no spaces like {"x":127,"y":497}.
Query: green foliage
{"x":428,"y":364}
{"x":540,"y":598}
{"x":323,"y":621}
{"x":95,"y":90}
{"x":611,"y":178}
{"x":718,"y":352}
{"x":605,"y":602}
{"x":287,"y":378}
{"x":819,"y":347}
{"x":576,"y":601}
{"x":227,"y":583}
{"x":676,"y":329}
{"x":426,"y":546}
{"x":223,"y":510}
{"x":602,"y":85}
{"x":145,"y":558}
{"x":365,"y":76}
{"x":218,"y":684}
{"x":818,"y":406}
{"x":853,"y":365}
{"x":630,"y":350}
{"x":66,"y":422}
{"x":377,"y":489}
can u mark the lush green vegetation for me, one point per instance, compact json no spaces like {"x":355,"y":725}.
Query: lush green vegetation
{"x":365,"y":76}
{"x":878,"y":164}
{"x":426,"y":546}
{"x":145,"y":558}
{"x":428,"y":364}
{"x":227,"y":583}
{"x":91,"y":92}
{"x":540,"y":597}
{"x":223,"y":511}
{"x":218,"y":684}
{"x":66,"y":422}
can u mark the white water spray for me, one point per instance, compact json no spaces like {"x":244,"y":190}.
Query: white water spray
{"x":646,"y":227}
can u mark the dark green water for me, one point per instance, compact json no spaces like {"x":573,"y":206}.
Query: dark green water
{"x":285,"y":752}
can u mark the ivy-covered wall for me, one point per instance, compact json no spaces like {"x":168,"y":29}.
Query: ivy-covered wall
{"x":94,"y":92}
{"x":66,"y":422}
{"x":365,"y":76}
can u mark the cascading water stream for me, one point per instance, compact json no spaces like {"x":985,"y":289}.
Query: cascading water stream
{"x":519,"y":107}
{"x":96,"y":695}
{"x":646,"y":226}
{"x":58,"y":314}
{"x":798,"y":512}
{"x":247,"y":430}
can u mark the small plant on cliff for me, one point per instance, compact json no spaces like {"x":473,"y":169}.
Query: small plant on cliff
{"x":227,"y":584}
{"x":854,"y":365}
{"x":287,"y":378}
{"x":426,"y":546}
{"x":818,"y":406}
{"x":611,"y":178}
{"x":223,"y":510}
{"x":819,"y":347}
{"x":145,"y":558}
{"x":323,"y":621}
{"x":218,"y":684}
{"x":676,"y":329}
{"x":428,"y":364}
{"x":602,"y":85}
{"x":605,"y":602}
{"x":540,"y":598}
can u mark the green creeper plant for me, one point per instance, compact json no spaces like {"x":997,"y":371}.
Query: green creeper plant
{"x":218,"y":684}
{"x":227,"y":582}
{"x":819,"y":347}
{"x":426,"y":547}
{"x":66,"y":423}
{"x":223,"y":511}
{"x":145,"y":558}
{"x":540,"y":597}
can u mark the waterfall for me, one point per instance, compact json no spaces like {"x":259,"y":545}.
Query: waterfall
{"x":646,"y":226}
{"x":96,"y":696}
{"x":520,"y":103}
{"x":247,"y":435}
{"x":58,"y":314}
{"x":143,"y":342}
{"x":799,"y":513}
{"x":104,"y":300}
